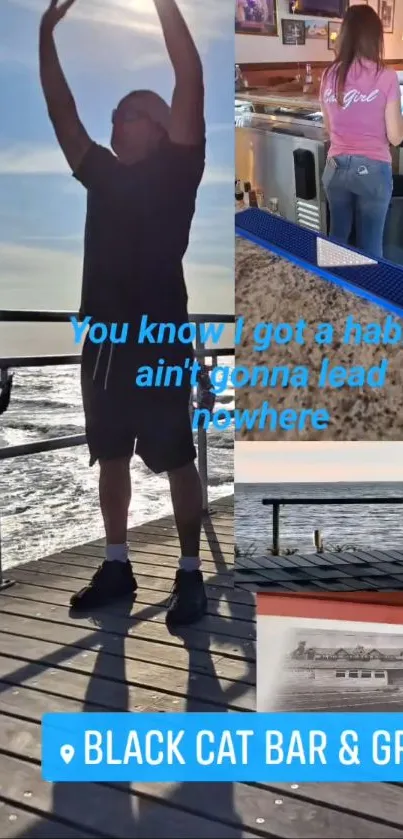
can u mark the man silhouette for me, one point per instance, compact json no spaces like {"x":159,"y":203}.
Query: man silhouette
{"x":140,"y":205}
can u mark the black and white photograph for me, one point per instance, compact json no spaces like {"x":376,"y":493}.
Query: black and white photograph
{"x":386,"y":12}
{"x":305,"y":664}
{"x":293,"y":32}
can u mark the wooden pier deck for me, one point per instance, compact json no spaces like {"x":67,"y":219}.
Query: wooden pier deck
{"x":121,"y":661}
{"x":348,"y":571}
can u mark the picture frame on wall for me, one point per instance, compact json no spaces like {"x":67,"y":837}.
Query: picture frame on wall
{"x":293,"y":32}
{"x":256,"y":17}
{"x":386,"y":12}
{"x":333,"y":32}
{"x":316,"y":29}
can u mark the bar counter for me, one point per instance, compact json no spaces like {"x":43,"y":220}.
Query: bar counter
{"x":272,"y":289}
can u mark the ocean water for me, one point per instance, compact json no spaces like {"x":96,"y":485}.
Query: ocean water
{"x":373,"y":526}
{"x":49,"y":501}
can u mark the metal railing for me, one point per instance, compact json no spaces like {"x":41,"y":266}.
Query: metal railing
{"x":276,"y":503}
{"x":54,"y":443}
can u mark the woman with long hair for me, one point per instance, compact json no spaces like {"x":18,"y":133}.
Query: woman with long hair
{"x":361,"y":105}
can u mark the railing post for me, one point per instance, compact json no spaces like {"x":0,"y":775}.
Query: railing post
{"x":4,"y":583}
{"x":202,"y":440}
{"x":276,"y":528}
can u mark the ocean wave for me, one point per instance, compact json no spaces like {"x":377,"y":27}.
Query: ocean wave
{"x":217,"y":480}
{"x":220,"y":440}
{"x":44,"y":429}
{"x":40,"y":404}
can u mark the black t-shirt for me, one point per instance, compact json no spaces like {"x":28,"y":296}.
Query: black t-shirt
{"x":137,"y":232}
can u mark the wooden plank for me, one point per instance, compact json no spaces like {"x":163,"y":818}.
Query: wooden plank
{"x":211,"y":624}
{"x":236,"y":611}
{"x":44,"y":626}
{"x":223,"y":581}
{"x":149,"y":675}
{"x":162,"y":537}
{"x":241,"y":804}
{"x":169,"y":553}
{"x":39,"y":574}
{"x":166,"y":565}
{"x":108,"y":812}
{"x":209,"y":536}
{"x":149,"y":577}
{"x":380,"y":802}
{"x":217,"y":532}
{"x":87,"y":559}
{"x":95,"y":692}
{"x":194,"y":638}
{"x":15,"y":821}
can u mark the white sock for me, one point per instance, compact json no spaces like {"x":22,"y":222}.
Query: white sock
{"x":117,"y":553}
{"x":189,"y":563}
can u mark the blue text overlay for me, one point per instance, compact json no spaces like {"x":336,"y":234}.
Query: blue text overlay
{"x":260,"y":338}
{"x":306,"y":747}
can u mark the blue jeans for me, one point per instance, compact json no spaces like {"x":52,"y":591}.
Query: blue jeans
{"x":359,"y":191}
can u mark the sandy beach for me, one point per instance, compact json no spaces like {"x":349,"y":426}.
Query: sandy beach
{"x":272,"y":290}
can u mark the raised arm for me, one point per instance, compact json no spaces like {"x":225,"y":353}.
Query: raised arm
{"x":187,"y":125}
{"x":71,"y":134}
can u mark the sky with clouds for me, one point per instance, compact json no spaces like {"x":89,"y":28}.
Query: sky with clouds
{"x":316,"y":462}
{"x":107,"y":48}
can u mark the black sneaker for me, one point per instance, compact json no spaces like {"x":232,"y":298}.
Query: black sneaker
{"x":188,"y":600}
{"x":111,"y":581}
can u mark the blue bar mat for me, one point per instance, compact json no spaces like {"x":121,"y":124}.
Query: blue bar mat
{"x":382,"y":283}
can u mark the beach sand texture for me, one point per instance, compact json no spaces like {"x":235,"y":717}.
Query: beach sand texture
{"x":271,"y":289}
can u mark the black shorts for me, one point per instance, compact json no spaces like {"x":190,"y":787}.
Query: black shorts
{"x":121,"y":417}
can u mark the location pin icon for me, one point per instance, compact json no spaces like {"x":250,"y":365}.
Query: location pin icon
{"x":67,"y":753}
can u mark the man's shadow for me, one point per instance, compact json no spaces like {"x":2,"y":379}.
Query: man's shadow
{"x":119,"y":810}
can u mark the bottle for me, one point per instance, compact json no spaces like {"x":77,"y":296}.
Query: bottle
{"x":308,"y":78}
{"x":239,"y":195}
{"x":272,"y":206}
{"x":247,"y":188}
{"x":240,"y":81}
{"x":253,"y":198}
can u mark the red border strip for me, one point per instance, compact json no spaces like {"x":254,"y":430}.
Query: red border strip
{"x":329,"y":608}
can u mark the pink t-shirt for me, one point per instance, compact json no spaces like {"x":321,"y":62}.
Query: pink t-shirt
{"x":358,"y":127}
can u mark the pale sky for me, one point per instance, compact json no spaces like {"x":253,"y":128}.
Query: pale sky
{"x":315,"y":462}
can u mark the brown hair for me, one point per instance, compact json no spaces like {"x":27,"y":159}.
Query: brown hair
{"x":361,"y":37}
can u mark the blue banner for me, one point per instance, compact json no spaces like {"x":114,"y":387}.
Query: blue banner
{"x":222,"y":747}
